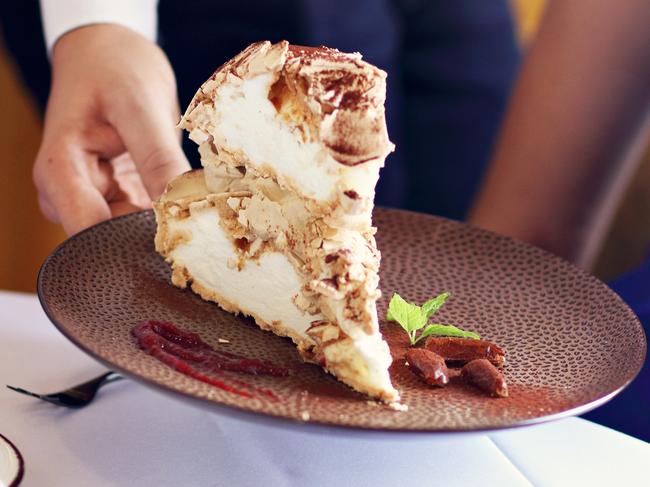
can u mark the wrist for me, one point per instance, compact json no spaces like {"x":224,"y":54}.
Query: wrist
{"x":89,"y":38}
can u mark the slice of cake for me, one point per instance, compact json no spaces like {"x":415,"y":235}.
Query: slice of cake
{"x":277,"y":226}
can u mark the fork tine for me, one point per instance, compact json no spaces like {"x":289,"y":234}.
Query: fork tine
{"x":52,"y":399}
{"x":24,"y":391}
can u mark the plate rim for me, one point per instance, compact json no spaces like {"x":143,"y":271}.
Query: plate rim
{"x":268,"y":417}
{"x":20,"y":473}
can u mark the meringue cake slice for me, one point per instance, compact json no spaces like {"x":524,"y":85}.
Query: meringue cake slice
{"x":278,"y":224}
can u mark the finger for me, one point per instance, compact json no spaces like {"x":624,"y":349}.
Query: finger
{"x":150,"y":136}
{"x":81,"y":207}
{"x":122,"y":204}
{"x":129,"y":181}
{"x":69,"y":189}
{"x":102,"y":176}
{"x":102,"y":138}
{"x":102,"y":142}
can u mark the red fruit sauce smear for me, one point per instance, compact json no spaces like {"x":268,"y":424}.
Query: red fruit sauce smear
{"x":187,"y":353}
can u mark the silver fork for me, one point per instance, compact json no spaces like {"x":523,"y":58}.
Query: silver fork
{"x":77,"y":396}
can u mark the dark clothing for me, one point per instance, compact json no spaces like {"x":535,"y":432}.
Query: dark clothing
{"x":629,"y":412}
{"x":20,"y":24}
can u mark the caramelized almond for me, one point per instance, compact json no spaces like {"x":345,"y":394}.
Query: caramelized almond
{"x":486,"y":377}
{"x":463,"y":350}
{"x":428,"y":365}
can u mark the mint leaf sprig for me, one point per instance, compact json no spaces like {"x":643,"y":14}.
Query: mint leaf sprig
{"x":413,"y":318}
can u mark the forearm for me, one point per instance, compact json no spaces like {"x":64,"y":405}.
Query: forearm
{"x":580,"y":101}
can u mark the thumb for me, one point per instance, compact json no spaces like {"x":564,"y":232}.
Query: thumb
{"x":150,"y":135}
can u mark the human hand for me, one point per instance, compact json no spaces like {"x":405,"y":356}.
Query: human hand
{"x":110,"y":144}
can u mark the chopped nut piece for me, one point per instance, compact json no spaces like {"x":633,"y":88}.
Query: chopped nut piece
{"x":356,"y":272}
{"x":241,"y":218}
{"x":428,"y":365}
{"x":330,"y":333}
{"x":223,"y":340}
{"x":463,"y":350}
{"x":281,"y":240}
{"x":486,"y":377}
{"x":327,"y":287}
{"x":255,"y":246}
{"x":234,"y":203}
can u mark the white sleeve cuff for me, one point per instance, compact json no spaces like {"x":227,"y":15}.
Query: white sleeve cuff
{"x":61,"y":16}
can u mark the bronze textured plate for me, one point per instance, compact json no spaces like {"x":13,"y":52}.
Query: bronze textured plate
{"x":571,"y":342}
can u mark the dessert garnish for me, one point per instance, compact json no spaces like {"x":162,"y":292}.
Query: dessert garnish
{"x":447,"y":346}
{"x":462,"y":350}
{"x":486,"y":377}
{"x":413,"y":318}
{"x":428,"y":365}
{"x":187,"y":353}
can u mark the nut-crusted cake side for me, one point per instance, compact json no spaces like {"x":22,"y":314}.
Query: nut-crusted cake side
{"x":278,"y":225}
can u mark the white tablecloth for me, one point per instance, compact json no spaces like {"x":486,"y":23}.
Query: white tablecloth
{"x":134,"y":436}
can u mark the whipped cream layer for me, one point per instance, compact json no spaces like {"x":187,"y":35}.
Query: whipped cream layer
{"x":263,"y":289}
